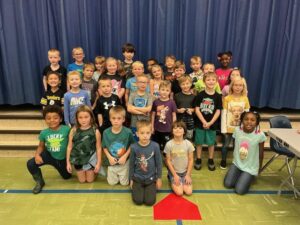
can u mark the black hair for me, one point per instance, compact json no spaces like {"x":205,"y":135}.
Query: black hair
{"x":53,"y":109}
{"x":153,"y":59}
{"x":53,"y":72}
{"x":257,"y":116}
{"x":128,"y":47}
{"x":229,"y":53}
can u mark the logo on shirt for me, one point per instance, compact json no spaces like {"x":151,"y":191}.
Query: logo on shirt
{"x":77,"y":101}
{"x":207,"y":106}
{"x":54,"y":142}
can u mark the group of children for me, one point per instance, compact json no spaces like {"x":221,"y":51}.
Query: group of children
{"x":166,"y":113}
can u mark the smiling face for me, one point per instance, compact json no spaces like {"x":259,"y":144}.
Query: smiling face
{"x":237,"y":86}
{"x":78,"y":56}
{"x":178,"y":131}
{"x":111,"y":66}
{"x":186,"y":86}
{"x":53,"y":120}
{"x":157,"y":72}
{"x":164,"y":92}
{"x":53,"y":80}
{"x":179,"y":72}
{"x":208,"y":68}
{"x":74,"y":80}
{"x":137,"y":70}
{"x":142,"y":82}
{"x":210,"y":81}
{"x":249,"y":122}
{"x":225,"y":60}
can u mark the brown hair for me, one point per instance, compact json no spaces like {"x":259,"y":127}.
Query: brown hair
{"x":85,"y":108}
{"x":117,"y":110}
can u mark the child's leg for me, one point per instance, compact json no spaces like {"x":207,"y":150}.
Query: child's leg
{"x":81,"y":176}
{"x":150,"y":194}
{"x":211,"y":151}
{"x":243,"y":183}
{"x":226,"y":143}
{"x":90,"y":175}
{"x":112,"y":175}
{"x":123,"y":172}
{"x":188,"y":189}
{"x":232,"y":176}
{"x":137,"y":193}
{"x":178,"y":189}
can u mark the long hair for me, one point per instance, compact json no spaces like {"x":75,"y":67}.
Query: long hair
{"x":85,"y":108}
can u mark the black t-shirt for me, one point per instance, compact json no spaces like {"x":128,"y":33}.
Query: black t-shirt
{"x":208,"y":105}
{"x":53,"y":98}
{"x":117,"y":82}
{"x":175,"y":87}
{"x":63,"y":76}
{"x":185,"y":101}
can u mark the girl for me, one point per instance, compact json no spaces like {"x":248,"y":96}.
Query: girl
{"x":179,"y":160}
{"x":247,"y":155}
{"x":157,"y":72}
{"x":100,"y":68}
{"x":233,"y":74}
{"x":233,"y":106}
{"x":223,"y":72}
{"x":84,"y":147}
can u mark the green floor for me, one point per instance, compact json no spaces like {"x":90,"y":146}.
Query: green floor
{"x":116,"y":208}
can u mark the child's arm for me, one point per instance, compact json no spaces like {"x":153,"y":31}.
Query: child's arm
{"x":199,"y":115}
{"x":67,"y":110}
{"x":215,"y":117}
{"x":98,"y":151}
{"x":188,"y":179}
{"x":172,"y":170}
{"x":158,"y":164}
{"x":45,"y":82}
{"x":261,"y":154}
{"x":131,"y":167}
{"x":100,"y":120}
{"x":123,"y":158}
{"x":152,"y":121}
{"x":151,"y":85}
{"x":174,"y":116}
{"x":69,"y":150}
{"x":37,"y":157}
{"x":127,"y":95}
{"x":121,"y":93}
{"x":134,"y":110}
{"x":112,"y":160}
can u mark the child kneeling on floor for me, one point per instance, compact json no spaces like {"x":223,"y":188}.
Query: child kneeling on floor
{"x":52,"y":147}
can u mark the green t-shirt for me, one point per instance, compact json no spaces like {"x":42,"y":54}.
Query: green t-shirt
{"x":117,"y":144}
{"x":56,"y":141}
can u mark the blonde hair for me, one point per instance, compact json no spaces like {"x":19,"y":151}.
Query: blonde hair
{"x":138,"y":63}
{"x":165,"y":84}
{"x":245,"y":90}
{"x":143,"y":123}
{"x":74,"y":72}
{"x":210,"y":74}
{"x":89,"y":65}
{"x":117,"y":110}
{"x":53,"y":50}
{"x":142,"y":76}
{"x":77,"y":49}
{"x":196,"y":58}
{"x":102,"y":79}
{"x":184,"y":79}
{"x":99,"y":59}
{"x":111,"y":59}
{"x":159,"y":67}
{"x":211,"y":64}
{"x":179,"y":65}
{"x":170,"y":57}
{"x":85,"y":108}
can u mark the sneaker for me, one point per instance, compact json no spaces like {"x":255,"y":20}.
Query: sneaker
{"x":211,"y":165}
{"x":223,"y":164}
{"x":197,"y":165}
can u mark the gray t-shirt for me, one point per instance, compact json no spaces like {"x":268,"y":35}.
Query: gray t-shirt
{"x":179,"y":154}
{"x":140,"y":101}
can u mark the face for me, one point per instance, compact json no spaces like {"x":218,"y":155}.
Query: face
{"x":84,"y":119}
{"x":208,"y":68}
{"x":237,"y":86}
{"x":53,"y":57}
{"x":137,"y":70}
{"x":116,"y":120}
{"x":164,"y":92}
{"x":210,"y":82}
{"x":157,"y":72}
{"x":78,"y":55}
{"x":88,"y":73}
{"x":234,"y":74}
{"x":195,"y":65}
{"x":53,"y":80}
{"x":186,"y":86}
{"x":74,"y":80}
{"x":128,"y":55}
{"x":179,"y":72}
{"x":111,"y":66}
{"x":225,"y":60}
{"x":142,"y":83}
{"x":105,"y":87}
{"x":144,"y":134}
{"x":99,"y":66}
{"x":150,"y":63}
{"x":53,"y":120}
{"x":249,"y":122}
{"x":178,"y":131}
{"x":170,"y":63}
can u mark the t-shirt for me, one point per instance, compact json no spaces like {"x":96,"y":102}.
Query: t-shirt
{"x":117,"y":82}
{"x":71,"y":102}
{"x":223,"y":76}
{"x":90,"y":87}
{"x":103,"y":105}
{"x":128,"y":69}
{"x":179,"y":154}
{"x":208,"y":105}
{"x":196,"y":76}
{"x":185,"y":101}
{"x":163,"y":114}
{"x":56,"y":141}
{"x":246,"y":150}
{"x":200,"y":86}
{"x":132,"y":86}
{"x":140,"y":101}
{"x":74,"y":67}
{"x":117,"y":144}
{"x":231,"y":114}
{"x":145,"y":162}
{"x":175,"y":86}
{"x":63,"y":76}
{"x":53,"y":98}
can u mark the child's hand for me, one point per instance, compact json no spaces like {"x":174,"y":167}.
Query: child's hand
{"x":97,"y":168}
{"x":158,"y":183}
{"x":122,"y":160}
{"x":188,"y":111}
{"x":176,"y":180}
{"x":69,"y":167}
{"x":131,"y":183}
{"x":188,"y":179}
{"x":181,"y":110}
{"x":112,"y":161}
{"x":38,"y":159}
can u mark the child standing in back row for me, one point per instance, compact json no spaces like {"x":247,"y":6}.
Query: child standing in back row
{"x":225,"y":59}
{"x":208,"y":105}
{"x":78,"y":56}
{"x":128,"y":51}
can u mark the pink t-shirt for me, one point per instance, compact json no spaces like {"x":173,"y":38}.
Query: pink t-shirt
{"x":223,"y":76}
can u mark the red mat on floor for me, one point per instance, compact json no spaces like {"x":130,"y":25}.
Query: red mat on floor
{"x":174,"y":207}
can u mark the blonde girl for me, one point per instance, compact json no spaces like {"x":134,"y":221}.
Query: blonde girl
{"x":157,"y":73}
{"x":233,"y":74}
{"x":84,"y":147}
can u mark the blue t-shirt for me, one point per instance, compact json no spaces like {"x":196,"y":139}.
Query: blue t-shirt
{"x":75,"y":67}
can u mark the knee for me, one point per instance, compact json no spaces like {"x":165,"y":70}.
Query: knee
{"x":178,"y":192}
{"x":67,"y":176}
{"x":241,"y":190}
{"x":137,"y":201}
{"x":188,"y":192}
{"x":30,"y":164}
{"x":124,"y":182}
{"x":150,"y":202}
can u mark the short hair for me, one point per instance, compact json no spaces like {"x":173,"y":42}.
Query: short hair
{"x":179,"y":65}
{"x":117,"y":110}
{"x":142,"y":76}
{"x":104,"y":79}
{"x":170,"y":57}
{"x":77,"y":49}
{"x":183,"y":79}
{"x":165,"y":83}
{"x":89,"y":65}
{"x":74,"y":72}
{"x":52,"y":109}
{"x":53,"y":72}
{"x":111,"y":59}
{"x":228,"y":53}
{"x":179,"y":123}
{"x":209,"y":63}
{"x":153,"y":59}
{"x":143,"y":123}
{"x":99,"y":59}
{"x":210,"y":74}
{"x":128,"y":47}
{"x":53,"y":50}
{"x":88,"y":109}
{"x":196,"y":58}
{"x":245,"y":90}
{"x":137,"y":63}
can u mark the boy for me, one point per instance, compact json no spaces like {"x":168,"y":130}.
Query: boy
{"x":78,"y":56}
{"x":197,"y":73}
{"x":128,"y":51}
{"x":54,"y":59}
{"x":179,"y":71}
{"x":169,"y":64}
{"x":163,"y":115}
{"x":145,"y":167}
{"x":52,"y":147}
{"x":140,"y":103}
{"x":184,"y":101}
{"x":208,"y":105}
{"x":115,"y":143}
{"x":88,"y":83}
{"x":105,"y":102}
